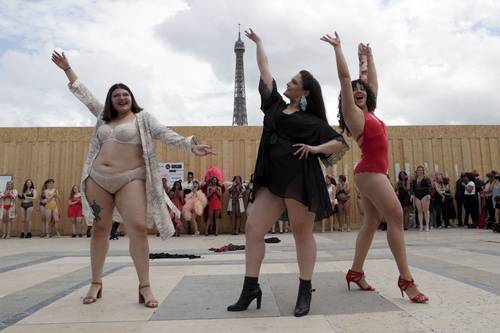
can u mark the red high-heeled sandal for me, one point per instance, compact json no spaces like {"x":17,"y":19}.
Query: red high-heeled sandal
{"x":353,"y":276}
{"x":404,"y":284}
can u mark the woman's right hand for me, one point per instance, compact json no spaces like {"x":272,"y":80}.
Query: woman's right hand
{"x":60,"y":60}
{"x":252,"y":36}
{"x":333,"y":41}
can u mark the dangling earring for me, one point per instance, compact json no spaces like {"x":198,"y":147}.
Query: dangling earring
{"x":303,"y":103}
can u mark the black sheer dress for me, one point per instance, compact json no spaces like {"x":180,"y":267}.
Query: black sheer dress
{"x":282,"y":172}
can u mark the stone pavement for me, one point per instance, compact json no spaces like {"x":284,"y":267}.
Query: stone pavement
{"x":43,"y":281}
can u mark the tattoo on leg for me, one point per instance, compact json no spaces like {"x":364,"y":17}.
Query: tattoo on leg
{"x":96,"y":210}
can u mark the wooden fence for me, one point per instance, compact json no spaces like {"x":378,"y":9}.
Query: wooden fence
{"x":59,"y":153}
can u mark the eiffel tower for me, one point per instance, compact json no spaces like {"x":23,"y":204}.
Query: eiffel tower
{"x":240,"y":104}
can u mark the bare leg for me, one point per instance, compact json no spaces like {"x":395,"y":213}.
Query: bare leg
{"x":208,"y":223}
{"x":420,"y":211}
{"x":426,"y":201}
{"x":233,"y":222}
{"x":347,"y":214}
{"x":43,"y":221}
{"x":131,"y":203}
{"x":9,"y":226}
{"x":48,"y":219}
{"x":99,"y":243}
{"x":378,"y":190}
{"x":194,"y":225}
{"x":340,"y":216}
{"x":57,"y":222}
{"x":73,"y":225}
{"x":371,"y":221}
{"x":216,"y":217}
{"x":262,"y":214}
{"x":79,"y":225}
{"x":23,"y":220}
{"x":29,"y":214}
{"x":4,"y":224}
{"x":303,"y":223}
{"x":238,"y":224}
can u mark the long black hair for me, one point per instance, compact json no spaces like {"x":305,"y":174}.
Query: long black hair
{"x":110,"y":112}
{"x":25,"y":186}
{"x":315,"y":104}
{"x":371,"y":103}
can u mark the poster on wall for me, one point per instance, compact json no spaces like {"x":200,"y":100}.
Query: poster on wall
{"x":3,"y":181}
{"x":172,"y":171}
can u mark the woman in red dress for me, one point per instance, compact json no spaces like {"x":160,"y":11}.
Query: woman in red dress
{"x":178,"y":201}
{"x":75,"y":212}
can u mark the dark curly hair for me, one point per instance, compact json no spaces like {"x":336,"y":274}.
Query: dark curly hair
{"x":371,"y":103}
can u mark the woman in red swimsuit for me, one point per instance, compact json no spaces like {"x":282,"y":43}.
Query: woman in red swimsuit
{"x":356,"y":115}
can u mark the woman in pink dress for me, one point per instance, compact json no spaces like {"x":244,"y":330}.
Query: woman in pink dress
{"x":195,"y":203}
{"x":214,"y":195}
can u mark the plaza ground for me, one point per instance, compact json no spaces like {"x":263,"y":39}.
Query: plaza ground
{"x":43,"y":281}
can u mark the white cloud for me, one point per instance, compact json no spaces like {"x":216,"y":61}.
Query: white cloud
{"x":436,"y":60}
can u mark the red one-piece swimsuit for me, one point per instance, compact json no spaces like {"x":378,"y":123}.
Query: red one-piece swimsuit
{"x":374,"y":150}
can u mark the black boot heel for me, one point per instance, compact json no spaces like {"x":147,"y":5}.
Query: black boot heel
{"x":251,"y":290}
{"x":304,"y":296}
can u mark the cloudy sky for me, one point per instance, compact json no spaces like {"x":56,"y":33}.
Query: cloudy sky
{"x":438,"y":61}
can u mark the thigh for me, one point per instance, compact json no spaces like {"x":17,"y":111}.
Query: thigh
{"x":56,"y":213}
{"x":341,"y":208}
{"x":263,"y":212}
{"x":379,"y":191}
{"x":299,"y":215}
{"x":418,"y":204}
{"x":23,"y":214}
{"x":103,"y":203}
{"x":347,"y":206}
{"x":42,"y":213}
{"x":426,"y":201}
{"x":131,"y":203}
{"x":29,"y":212}
{"x":372,"y":216}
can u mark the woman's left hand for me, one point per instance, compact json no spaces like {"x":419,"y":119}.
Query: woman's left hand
{"x":202,"y":150}
{"x":304,"y":150}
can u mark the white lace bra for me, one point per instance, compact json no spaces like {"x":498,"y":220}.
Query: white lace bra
{"x":123,"y":133}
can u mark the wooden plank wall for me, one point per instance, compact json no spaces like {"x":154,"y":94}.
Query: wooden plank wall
{"x":41,"y":153}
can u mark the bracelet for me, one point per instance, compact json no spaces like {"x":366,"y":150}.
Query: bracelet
{"x":67,"y":69}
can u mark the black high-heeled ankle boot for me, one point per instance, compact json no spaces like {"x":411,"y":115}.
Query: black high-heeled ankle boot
{"x":251,"y":290}
{"x":303,"y":304}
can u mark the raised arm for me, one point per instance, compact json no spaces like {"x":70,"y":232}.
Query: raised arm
{"x":262,"y":61}
{"x":75,"y":86}
{"x":353,"y":115}
{"x":363,"y":62}
{"x":371,"y":71}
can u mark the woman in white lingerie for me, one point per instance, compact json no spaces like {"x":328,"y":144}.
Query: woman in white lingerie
{"x":121,"y":169}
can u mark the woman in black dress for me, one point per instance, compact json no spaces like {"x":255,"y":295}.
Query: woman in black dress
{"x":288,"y":175}
{"x":403,"y":192}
